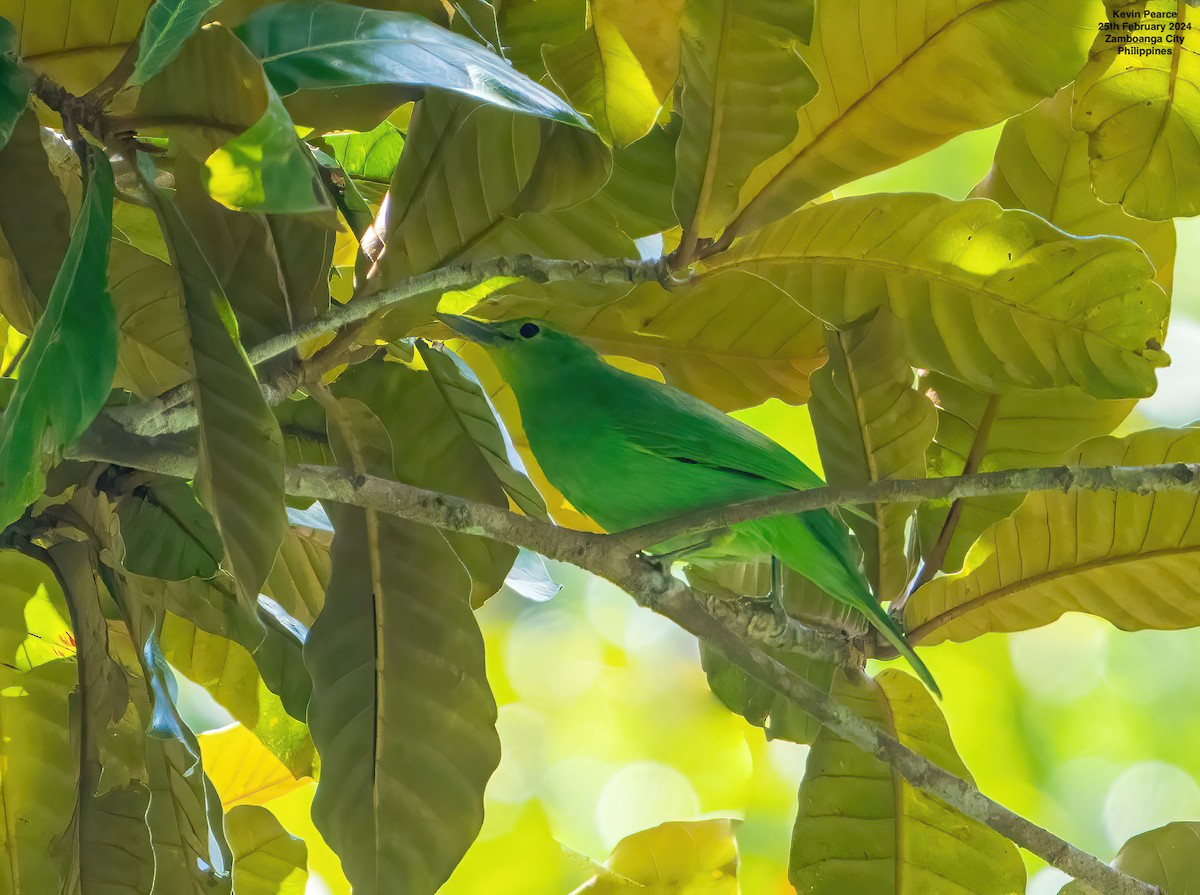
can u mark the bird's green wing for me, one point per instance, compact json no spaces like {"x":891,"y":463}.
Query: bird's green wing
{"x":671,"y":424}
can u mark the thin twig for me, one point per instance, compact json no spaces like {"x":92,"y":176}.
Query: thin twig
{"x":166,"y":413}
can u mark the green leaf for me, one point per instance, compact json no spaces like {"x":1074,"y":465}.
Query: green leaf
{"x":862,"y":828}
{"x":240,"y":477}
{"x":743,"y":84}
{"x":733,"y":340}
{"x":301,"y":573}
{"x":872,"y":57}
{"x":872,"y":424}
{"x":1167,"y":857}
{"x":332,"y":45}
{"x":622,"y":69}
{"x":267,"y":860}
{"x":1139,"y":113}
{"x":1013,"y":430}
{"x":14,"y":85}
{"x":371,"y":156}
{"x":401,"y":711}
{"x":68,"y":368}
{"x":167,"y":534}
{"x":675,"y":858}
{"x":35,"y":226}
{"x":991,"y":297}
{"x":466,"y":400}
{"x":1125,"y":557}
{"x":528,"y":25}
{"x":168,"y":24}
{"x":75,"y":44}
{"x":432,"y":449}
{"x":264,"y":167}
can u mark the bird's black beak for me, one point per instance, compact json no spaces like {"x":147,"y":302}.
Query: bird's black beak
{"x":473,"y":330}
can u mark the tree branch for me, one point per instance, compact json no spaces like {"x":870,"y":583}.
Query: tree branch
{"x":726,"y":625}
{"x":166,"y":413}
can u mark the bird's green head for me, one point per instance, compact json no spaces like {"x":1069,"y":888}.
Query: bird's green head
{"x":523,"y":348}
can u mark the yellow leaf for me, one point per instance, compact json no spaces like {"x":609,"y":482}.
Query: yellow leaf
{"x":676,"y":858}
{"x":1141,"y":111}
{"x":243,"y":770}
{"x":1126,"y":557}
{"x":952,"y":67}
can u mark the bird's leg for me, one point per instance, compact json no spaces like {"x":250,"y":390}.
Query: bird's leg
{"x":774,"y":597}
{"x":668,"y":559}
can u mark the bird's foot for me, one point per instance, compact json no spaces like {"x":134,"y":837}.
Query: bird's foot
{"x":668,"y":559}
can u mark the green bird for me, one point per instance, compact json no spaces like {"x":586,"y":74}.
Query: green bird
{"x":628,"y":451}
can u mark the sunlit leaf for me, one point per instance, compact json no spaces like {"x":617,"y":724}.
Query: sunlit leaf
{"x":330,"y":45}
{"x":75,"y":342}
{"x":872,"y":424}
{"x":991,"y":297}
{"x":872,"y":57}
{"x":167,"y":25}
{"x":862,"y":828}
{"x":675,"y":858}
{"x":1126,"y":557}
{"x":371,"y":156}
{"x":1168,"y":857}
{"x":301,"y":573}
{"x":243,"y":770}
{"x":744,"y":84}
{"x":76,"y":44}
{"x":401,"y":711}
{"x":267,"y":860}
{"x":14,"y":86}
{"x":1140,"y":111}
{"x":623,"y":68}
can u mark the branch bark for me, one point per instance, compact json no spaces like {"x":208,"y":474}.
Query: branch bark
{"x":172,"y":412}
{"x":728,"y":626}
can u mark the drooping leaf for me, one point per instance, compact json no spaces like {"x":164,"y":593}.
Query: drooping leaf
{"x":76,"y":44}
{"x":623,"y":68}
{"x":432,"y":449}
{"x":168,"y":24}
{"x":1167,"y":857}
{"x":1042,"y":165}
{"x":1017,"y":429}
{"x":240,"y":478}
{"x":872,"y":424}
{"x":237,"y":126}
{"x":862,"y":828}
{"x":267,"y":859}
{"x":731,"y":339}
{"x":991,"y":297}
{"x":465,"y":399}
{"x":325,"y":46}
{"x":871,"y":57}
{"x":35,"y":226}
{"x":674,"y":858}
{"x":75,"y":342}
{"x":167,"y":534}
{"x":401,"y":711}
{"x":1139,"y":111}
{"x":14,"y":86}
{"x":1125,"y":557}
{"x":744,"y":84}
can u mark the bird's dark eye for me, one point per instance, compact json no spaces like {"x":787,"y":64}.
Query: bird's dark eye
{"x":529,"y":330}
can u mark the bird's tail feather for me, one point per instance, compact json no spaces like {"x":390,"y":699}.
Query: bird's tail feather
{"x":891,"y":630}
